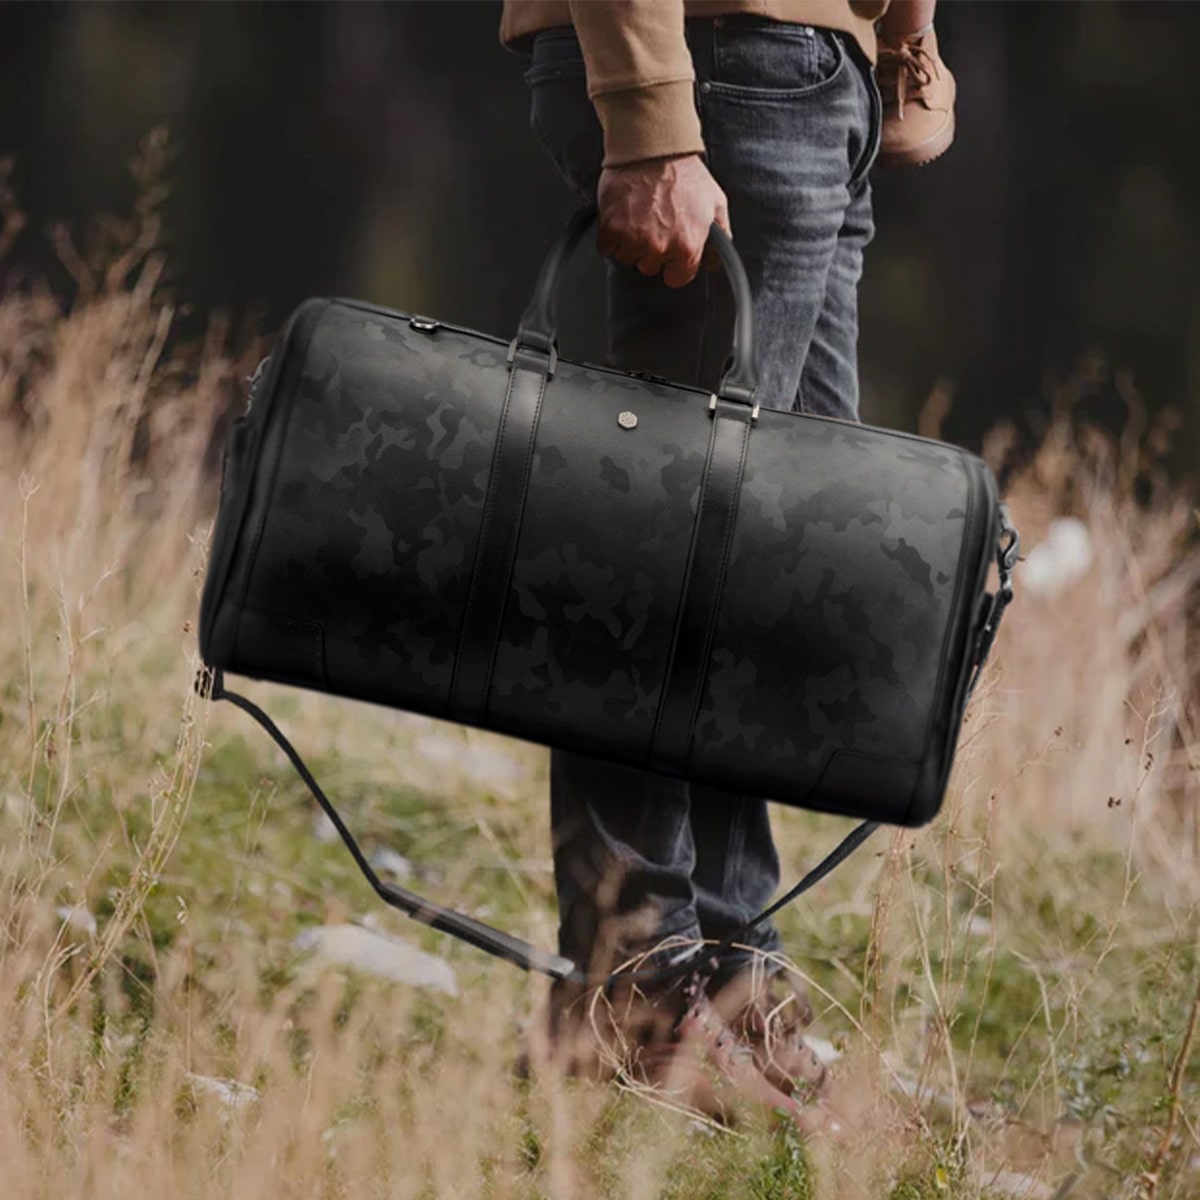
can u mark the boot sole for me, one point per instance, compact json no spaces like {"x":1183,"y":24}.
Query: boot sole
{"x":921,"y":154}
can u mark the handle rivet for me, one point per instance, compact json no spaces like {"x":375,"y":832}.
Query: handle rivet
{"x":627,"y":420}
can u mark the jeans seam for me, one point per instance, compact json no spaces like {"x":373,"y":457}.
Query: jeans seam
{"x":731,"y":885}
{"x":874,"y":126}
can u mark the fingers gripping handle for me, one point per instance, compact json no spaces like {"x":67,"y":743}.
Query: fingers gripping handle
{"x":539,"y":323}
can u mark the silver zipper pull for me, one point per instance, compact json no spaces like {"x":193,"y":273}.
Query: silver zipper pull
{"x":253,"y":381}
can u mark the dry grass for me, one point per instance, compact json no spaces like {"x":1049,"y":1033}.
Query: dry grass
{"x":1011,"y":988}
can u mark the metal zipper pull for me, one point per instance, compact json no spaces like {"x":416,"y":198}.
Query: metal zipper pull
{"x":254,"y":381}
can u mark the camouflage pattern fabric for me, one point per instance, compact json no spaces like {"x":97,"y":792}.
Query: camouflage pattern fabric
{"x":847,"y":619}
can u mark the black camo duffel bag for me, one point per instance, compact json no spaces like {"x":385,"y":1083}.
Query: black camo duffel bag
{"x":437,"y":520}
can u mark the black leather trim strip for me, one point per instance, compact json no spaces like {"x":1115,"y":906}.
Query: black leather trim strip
{"x":497,"y":543}
{"x":700,"y":600}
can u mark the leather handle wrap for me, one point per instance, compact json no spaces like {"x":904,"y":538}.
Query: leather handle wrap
{"x":539,"y":324}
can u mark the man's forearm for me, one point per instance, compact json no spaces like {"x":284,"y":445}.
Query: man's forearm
{"x":640,"y":77}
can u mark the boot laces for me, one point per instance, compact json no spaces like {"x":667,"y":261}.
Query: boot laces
{"x":913,"y":67}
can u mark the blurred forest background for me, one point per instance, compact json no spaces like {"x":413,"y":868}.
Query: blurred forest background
{"x":384,"y":151}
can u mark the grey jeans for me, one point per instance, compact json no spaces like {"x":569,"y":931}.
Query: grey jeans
{"x":791,"y":117}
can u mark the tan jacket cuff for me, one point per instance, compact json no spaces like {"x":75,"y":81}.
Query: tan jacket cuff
{"x":649,"y":122}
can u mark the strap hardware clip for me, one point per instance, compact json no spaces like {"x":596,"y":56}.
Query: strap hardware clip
{"x":712,"y":407}
{"x":516,"y":344}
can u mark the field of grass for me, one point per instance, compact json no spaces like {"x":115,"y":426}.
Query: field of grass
{"x":1013,"y":991}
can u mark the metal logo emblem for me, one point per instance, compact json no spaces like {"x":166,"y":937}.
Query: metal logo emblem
{"x":627,"y":420}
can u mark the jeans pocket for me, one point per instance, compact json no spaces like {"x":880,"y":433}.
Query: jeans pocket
{"x":774,"y":61}
{"x":560,"y":113}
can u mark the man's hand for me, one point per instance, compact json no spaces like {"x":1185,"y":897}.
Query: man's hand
{"x":655,"y":215}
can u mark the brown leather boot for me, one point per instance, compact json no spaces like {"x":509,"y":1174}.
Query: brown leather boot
{"x":589,"y":1032}
{"x":769,"y":1014}
{"x":704,"y":1066}
{"x":918,"y":100}
{"x":671,"y":1039}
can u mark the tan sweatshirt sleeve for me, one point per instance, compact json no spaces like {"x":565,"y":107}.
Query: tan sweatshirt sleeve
{"x":640,"y":77}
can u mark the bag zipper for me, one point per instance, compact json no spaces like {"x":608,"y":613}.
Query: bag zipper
{"x":255,"y":382}
{"x":262,"y":387}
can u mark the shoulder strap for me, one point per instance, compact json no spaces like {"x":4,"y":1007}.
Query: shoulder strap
{"x":211,"y":683}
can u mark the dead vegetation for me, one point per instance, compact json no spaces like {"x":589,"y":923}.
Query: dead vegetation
{"x":1011,"y":992}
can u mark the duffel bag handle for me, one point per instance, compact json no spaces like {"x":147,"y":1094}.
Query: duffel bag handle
{"x":538,"y":328}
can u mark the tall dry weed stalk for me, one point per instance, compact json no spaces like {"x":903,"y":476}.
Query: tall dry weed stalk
{"x":102,"y":466}
{"x":956,"y":968}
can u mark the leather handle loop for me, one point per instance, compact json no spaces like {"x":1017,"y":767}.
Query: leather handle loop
{"x":740,"y":381}
{"x":539,"y":323}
